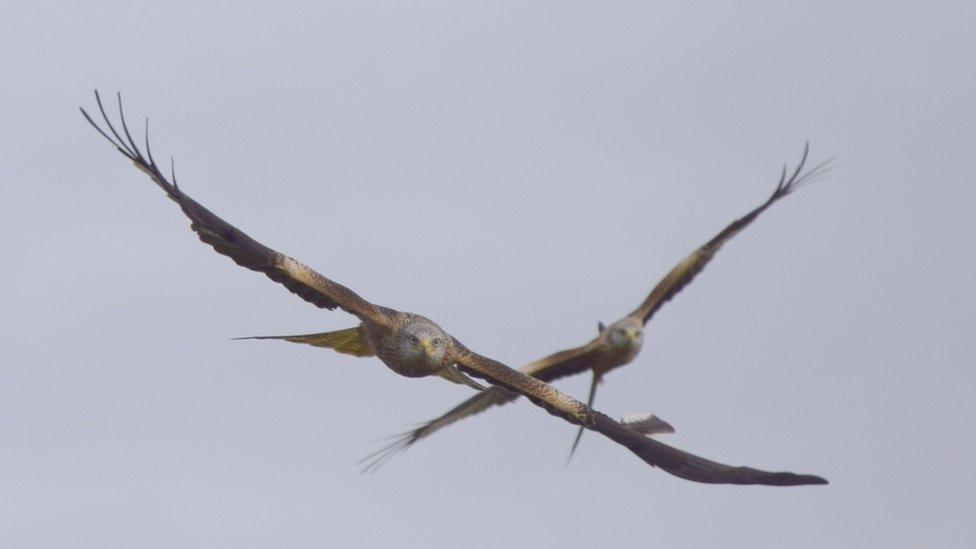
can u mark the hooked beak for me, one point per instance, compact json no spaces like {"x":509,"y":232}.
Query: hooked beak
{"x":427,"y":345}
{"x":633,"y":335}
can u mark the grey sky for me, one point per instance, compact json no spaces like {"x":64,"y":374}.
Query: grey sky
{"x":553,"y":161}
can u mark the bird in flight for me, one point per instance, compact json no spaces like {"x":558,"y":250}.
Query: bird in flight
{"x":615,"y":345}
{"x":412,"y":345}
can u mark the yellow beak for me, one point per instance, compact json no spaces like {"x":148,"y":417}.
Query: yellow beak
{"x":427,"y":345}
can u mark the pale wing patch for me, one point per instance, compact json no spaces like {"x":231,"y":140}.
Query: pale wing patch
{"x":646,"y":424}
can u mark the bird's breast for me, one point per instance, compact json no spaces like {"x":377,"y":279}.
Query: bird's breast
{"x":417,"y":364}
{"x":617,"y":357}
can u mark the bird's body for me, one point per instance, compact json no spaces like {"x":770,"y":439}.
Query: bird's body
{"x":616,"y":345}
{"x":411,"y":345}
{"x":414,"y":346}
{"x":397,"y":337}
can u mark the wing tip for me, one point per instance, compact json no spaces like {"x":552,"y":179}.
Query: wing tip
{"x":815,"y":480}
{"x":793,"y":479}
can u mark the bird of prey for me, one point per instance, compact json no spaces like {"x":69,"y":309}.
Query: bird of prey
{"x":412,"y":345}
{"x":615,"y":345}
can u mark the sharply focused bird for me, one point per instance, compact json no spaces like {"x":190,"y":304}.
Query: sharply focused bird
{"x":414,"y":346}
{"x":615,"y":345}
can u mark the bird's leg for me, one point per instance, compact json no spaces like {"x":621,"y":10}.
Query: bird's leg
{"x":597,"y":378}
{"x":452,"y":373}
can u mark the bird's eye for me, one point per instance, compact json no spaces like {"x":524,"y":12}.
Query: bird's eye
{"x":415,"y":339}
{"x":437,"y":341}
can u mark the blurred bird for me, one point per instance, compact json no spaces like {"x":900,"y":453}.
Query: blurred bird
{"x":615,"y":345}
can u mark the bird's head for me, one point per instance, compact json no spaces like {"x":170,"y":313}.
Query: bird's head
{"x":422,"y":340}
{"x":627,"y":333}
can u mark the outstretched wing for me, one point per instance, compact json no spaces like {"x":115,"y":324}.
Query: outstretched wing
{"x":565,"y":363}
{"x":684,"y":272}
{"x":677,"y":462}
{"x":232,"y":242}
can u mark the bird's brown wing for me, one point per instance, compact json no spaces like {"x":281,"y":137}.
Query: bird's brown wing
{"x":677,"y":462}
{"x":685,"y":271}
{"x":552,"y":367}
{"x":566,"y":363}
{"x":232,"y":242}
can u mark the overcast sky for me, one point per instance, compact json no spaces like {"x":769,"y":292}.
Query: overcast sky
{"x":517,"y":174}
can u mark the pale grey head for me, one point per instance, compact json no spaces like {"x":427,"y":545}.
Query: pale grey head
{"x":421,"y":342}
{"x":626,"y":333}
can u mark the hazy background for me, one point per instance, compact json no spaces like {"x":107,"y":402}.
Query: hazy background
{"x":516,"y":173}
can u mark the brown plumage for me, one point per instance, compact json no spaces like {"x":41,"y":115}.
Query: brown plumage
{"x":397,"y":337}
{"x":618,"y":344}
